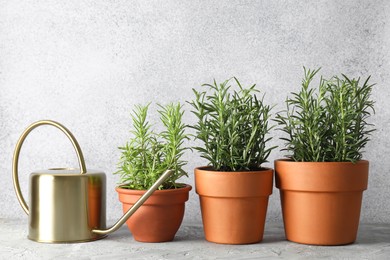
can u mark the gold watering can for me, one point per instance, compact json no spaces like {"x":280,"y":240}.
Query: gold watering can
{"x":66,"y":204}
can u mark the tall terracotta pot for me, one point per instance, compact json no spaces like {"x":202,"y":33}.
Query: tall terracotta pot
{"x":321,"y":201}
{"x":233,"y":204}
{"x":159,"y":218}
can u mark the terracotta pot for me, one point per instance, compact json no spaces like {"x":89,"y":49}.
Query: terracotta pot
{"x":321,"y":201}
{"x":233,"y":204}
{"x":159,"y":218}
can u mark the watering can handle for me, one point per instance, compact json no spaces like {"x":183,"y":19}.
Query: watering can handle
{"x":19,"y":144}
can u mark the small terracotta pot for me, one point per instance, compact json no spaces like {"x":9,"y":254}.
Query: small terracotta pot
{"x":159,"y":218}
{"x":233,"y":204}
{"x":321,"y":201}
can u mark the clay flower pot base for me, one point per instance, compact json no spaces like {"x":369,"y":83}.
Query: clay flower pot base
{"x":321,"y":201}
{"x":160,"y":217}
{"x":321,"y":218}
{"x":233,"y":204}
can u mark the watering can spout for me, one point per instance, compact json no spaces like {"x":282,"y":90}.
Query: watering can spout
{"x":134,"y":208}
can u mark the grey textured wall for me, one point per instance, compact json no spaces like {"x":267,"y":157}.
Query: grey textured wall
{"x":86,"y":63}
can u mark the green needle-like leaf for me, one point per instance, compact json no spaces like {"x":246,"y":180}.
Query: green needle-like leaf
{"x":148,"y":154}
{"x":233,"y":125}
{"x":329,"y":125}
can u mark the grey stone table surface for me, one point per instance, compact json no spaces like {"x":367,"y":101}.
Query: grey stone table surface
{"x":373,"y":243}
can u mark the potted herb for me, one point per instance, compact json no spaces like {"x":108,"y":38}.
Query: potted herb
{"x":144,"y":158}
{"x":322,"y":181}
{"x":234,"y":188}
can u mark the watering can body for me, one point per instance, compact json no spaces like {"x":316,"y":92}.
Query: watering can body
{"x":68,"y":205}
{"x":65,"y":206}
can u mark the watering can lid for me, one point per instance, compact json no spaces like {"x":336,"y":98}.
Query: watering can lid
{"x":67,"y":171}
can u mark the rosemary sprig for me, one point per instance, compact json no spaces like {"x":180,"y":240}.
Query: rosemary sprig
{"x":148,"y":154}
{"x":330,"y":124}
{"x":233,"y":126}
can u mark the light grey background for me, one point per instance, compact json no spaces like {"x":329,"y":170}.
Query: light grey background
{"x":87,"y":63}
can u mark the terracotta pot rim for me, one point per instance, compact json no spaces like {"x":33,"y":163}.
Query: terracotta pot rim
{"x":321,"y":176}
{"x":186,"y":187}
{"x":285,"y":160}
{"x":208,"y":169}
{"x":233,"y":184}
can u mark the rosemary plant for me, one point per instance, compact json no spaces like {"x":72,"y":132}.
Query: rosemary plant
{"x":330,"y":124}
{"x":148,"y":154}
{"x":233,"y":126}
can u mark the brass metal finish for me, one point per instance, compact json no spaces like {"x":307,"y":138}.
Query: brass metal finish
{"x":65,"y":204}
